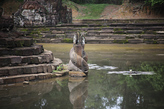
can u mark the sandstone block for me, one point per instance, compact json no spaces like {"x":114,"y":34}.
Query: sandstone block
{"x":31,"y":78}
{"x":49,"y":68}
{"x":40,"y":69}
{"x":16,"y":59}
{"x":34,"y":70}
{"x":34,"y":60}
{"x":4,"y":72}
{"x":17,"y":80}
{"x":45,"y":69}
{"x":76,"y":74}
{"x":4,"y":61}
{"x":13,"y":71}
{"x":1,"y":81}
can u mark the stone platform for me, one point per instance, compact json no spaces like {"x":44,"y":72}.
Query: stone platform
{"x":23,"y":60}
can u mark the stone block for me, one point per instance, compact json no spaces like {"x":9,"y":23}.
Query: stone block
{"x":18,"y":42}
{"x":76,"y":74}
{"x":27,"y":70}
{"x":4,"y":72}
{"x":34,"y":69}
{"x":45,"y":68}
{"x":49,"y":68}
{"x":26,"y":60}
{"x":1,"y":81}
{"x":28,"y":42}
{"x":3,"y":42}
{"x":57,"y":32}
{"x":40,"y":69}
{"x":135,"y":41}
{"x":10,"y":43}
{"x":9,"y":81}
{"x":31,"y":78}
{"x":17,"y":80}
{"x":26,"y":52}
{"x":50,"y":36}
{"x":19,"y":70}
{"x":16,"y":59}
{"x":4,"y":61}
{"x":13,"y":71}
{"x":34,"y":60}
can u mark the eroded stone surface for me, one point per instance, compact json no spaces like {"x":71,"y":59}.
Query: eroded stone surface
{"x":42,"y":13}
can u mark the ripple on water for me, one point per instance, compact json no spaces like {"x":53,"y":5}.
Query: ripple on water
{"x":97,"y":67}
{"x":131,"y":72}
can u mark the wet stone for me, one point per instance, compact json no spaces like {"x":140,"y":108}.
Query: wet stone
{"x":76,"y":74}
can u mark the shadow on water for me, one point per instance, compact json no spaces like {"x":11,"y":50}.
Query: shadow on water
{"x":109,"y":85}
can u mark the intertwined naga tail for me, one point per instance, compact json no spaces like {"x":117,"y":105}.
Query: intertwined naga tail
{"x":78,"y":57}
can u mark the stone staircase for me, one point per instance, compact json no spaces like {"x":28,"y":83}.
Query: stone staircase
{"x":130,"y":31}
{"x":22,"y":60}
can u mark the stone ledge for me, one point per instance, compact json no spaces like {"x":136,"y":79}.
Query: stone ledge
{"x":25,"y":77}
{"x":76,"y":74}
{"x":29,"y":69}
{"x":22,"y":51}
{"x":45,"y":57}
{"x":16,"y":42}
{"x":61,"y":73}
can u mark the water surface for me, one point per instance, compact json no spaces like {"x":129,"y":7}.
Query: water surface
{"x":102,"y":89}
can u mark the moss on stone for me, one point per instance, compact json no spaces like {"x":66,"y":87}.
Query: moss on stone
{"x":67,"y":40}
{"x":120,"y":41}
{"x":24,"y":30}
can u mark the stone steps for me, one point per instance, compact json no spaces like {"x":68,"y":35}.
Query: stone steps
{"x":16,"y":42}
{"x":131,"y":30}
{"x":45,"y":57}
{"x":22,"y":51}
{"x":107,"y":28}
{"x":30,"y":77}
{"x":112,"y":25}
{"x":29,"y":69}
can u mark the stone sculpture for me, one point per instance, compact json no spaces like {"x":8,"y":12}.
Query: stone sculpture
{"x":78,"y":57}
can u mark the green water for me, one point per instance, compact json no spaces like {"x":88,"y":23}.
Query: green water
{"x":100,"y":90}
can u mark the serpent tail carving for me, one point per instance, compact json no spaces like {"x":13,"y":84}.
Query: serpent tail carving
{"x":78,"y":57}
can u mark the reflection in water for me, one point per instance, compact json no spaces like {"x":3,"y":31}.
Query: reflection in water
{"x":100,"y":90}
{"x":78,"y":91}
{"x":15,"y":96}
{"x":131,"y":72}
{"x":97,"y":67}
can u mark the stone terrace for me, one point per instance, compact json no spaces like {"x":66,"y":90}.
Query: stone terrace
{"x":133,"y":31}
{"x":22,"y":60}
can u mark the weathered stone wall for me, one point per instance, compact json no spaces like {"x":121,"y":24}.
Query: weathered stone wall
{"x":6,"y":22}
{"x":42,"y":13}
